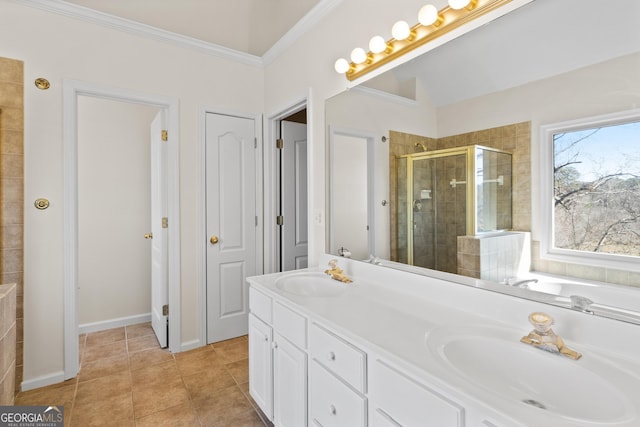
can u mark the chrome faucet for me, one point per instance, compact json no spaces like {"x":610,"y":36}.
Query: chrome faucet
{"x":521,"y":283}
{"x":544,"y":338}
{"x":374,"y":260}
{"x":581,"y":303}
{"x":336,"y":273}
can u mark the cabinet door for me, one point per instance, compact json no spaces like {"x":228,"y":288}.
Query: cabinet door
{"x":333,"y":403}
{"x":290,"y":384}
{"x":379,"y":418}
{"x":397,"y":398}
{"x":260,"y":365}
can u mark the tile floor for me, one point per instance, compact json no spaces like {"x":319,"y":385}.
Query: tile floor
{"x":126,"y":379}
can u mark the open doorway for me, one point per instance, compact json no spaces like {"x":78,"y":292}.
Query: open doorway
{"x":80,"y":235}
{"x":292,"y":207}
{"x":114,"y":211}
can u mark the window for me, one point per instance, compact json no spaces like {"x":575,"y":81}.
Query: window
{"x":592,"y":194}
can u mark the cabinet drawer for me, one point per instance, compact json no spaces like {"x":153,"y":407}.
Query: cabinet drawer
{"x":290,"y":325}
{"x":333,"y":403}
{"x":340,"y":357}
{"x":260,"y":305}
{"x":407,"y":403}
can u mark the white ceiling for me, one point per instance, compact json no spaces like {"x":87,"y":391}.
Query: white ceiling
{"x":249,"y":26}
{"x":541,"y":39}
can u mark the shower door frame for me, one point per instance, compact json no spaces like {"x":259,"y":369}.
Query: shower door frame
{"x":470,"y":220}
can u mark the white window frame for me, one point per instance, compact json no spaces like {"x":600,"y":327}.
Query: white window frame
{"x":547,"y":249}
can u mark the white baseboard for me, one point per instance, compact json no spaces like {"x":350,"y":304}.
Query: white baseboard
{"x":190,"y":345}
{"x":114,"y":323}
{"x":42,"y":381}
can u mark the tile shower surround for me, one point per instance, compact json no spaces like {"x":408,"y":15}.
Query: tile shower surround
{"x":12,"y":191}
{"x":7,"y":344}
{"x":515,"y":139}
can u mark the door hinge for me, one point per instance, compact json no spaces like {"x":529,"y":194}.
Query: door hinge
{"x":279,"y":143}
{"x":165,"y":310}
{"x":280,"y":220}
{"x":256,"y":220}
{"x":165,"y":222}
{"x":165,"y":135}
{"x":255,"y":142}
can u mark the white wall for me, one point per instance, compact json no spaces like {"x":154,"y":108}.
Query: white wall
{"x":114,"y":187}
{"x":376,"y":114}
{"x":307,"y":67}
{"x":348,"y":194}
{"x":604,"y":88}
{"x":57,"y":48}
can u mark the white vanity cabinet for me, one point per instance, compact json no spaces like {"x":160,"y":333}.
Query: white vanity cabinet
{"x":261,"y":364}
{"x":338,"y":380}
{"x":278,"y":361}
{"x":306,"y":371}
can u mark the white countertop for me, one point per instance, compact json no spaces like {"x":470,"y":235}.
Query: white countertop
{"x":394,"y":312}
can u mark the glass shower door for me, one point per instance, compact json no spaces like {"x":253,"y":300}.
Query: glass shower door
{"x":436,"y":209}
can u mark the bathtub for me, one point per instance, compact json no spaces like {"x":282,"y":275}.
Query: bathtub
{"x":607,"y":298}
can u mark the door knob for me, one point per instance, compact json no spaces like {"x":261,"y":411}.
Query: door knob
{"x":213,"y":240}
{"x":148,"y":236}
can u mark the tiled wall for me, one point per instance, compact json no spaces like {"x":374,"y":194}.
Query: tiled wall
{"x":495,"y":257}
{"x":589,"y":272}
{"x":7,"y":344}
{"x":444,"y":210}
{"x":515,"y":138}
{"x":11,"y":189}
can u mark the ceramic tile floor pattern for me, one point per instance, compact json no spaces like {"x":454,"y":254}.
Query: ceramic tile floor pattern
{"x":126,"y":379}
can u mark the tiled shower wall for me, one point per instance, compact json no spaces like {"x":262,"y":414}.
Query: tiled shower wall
{"x":497,"y":257}
{"x":515,"y":138}
{"x":399,"y":145}
{"x":7,"y":344}
{"x":11,"y":190}
{"x":444,"y":207}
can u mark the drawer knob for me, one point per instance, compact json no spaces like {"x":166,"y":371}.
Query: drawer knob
{"x":332,"y":410}
{"x":332,"y":356}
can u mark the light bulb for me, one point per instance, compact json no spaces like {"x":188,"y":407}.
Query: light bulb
{"x":428,"y":15}
{"x":341,"y":66}
{"x":458,"y":4}
{"x":377,"y":44}
{"x":400,"y":30}
{"x":358,"y":55}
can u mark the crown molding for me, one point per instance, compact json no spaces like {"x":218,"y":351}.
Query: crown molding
{"x":391,"y":97}
{"x":323,"y":8}
{"x":319,"y":11}
{"x":106,"y":20}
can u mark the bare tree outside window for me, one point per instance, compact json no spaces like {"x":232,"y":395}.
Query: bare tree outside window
{"x":597,"y":189}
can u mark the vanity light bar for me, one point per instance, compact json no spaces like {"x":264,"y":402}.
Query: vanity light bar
{"x":407,"y":39}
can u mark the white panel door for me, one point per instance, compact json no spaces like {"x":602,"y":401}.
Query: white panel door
{"x":294,"y":196}
{"x":159,"y":283}
{"x":231,"y":223}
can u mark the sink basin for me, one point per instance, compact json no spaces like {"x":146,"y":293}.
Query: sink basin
{"x":310,"y":284}
{"x":587,"y":391}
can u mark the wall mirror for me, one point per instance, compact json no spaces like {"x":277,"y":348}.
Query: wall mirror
{"x":545,"y":62}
